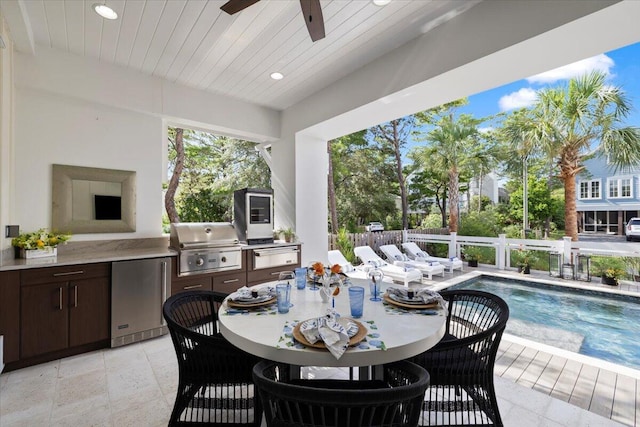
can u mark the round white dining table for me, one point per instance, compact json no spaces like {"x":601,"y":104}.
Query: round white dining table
{"x":405,"y":333}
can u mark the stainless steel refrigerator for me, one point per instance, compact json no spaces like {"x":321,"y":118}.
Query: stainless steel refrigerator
{"x":138,"y":291}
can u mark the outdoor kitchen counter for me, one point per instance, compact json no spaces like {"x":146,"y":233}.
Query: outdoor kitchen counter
{"x":87,"y":257}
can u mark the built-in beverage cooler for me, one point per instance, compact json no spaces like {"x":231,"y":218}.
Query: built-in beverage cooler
{"x":253,"y":215}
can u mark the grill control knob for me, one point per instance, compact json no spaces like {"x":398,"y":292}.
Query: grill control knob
{"x":199,"y":262}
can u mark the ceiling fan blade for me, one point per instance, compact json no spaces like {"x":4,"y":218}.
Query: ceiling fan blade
{"x":235,"y":6}
{"x":312,"y":12}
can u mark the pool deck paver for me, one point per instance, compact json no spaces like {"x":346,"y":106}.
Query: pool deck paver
{"x":583,"y":390}
{"x":563,"y":375}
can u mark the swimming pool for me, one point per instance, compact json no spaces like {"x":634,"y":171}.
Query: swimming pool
{"x":595,"y":324}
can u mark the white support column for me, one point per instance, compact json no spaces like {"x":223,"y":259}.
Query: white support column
{"x":311,"y":207}
{"x":283,"y":181}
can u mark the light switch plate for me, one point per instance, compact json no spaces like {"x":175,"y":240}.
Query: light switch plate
{"x":12,"y":231}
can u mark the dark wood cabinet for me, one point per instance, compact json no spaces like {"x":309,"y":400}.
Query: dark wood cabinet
{"x":45,"y":319}
{"x":89,"y":311}
{"x":64,"y":307}
{"x":10,"y":314}
{"x":229,"y":282}
{"x":224,"y":281}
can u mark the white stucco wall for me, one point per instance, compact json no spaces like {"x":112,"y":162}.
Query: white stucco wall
{"x":76,"y":111}
{"x":6,"y":126}
{"x":51,"y":129}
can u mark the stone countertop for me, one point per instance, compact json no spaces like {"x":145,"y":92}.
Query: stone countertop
{"x":109,"y":251}
{"x":86,"y":258}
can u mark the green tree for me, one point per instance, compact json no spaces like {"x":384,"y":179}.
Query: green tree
{"x":452,"y":146}
{"x":583,"y":119}
{"x":362,"y":180}
{"x":213,"y":167}
{"x":392,"y":137}
{"x":542,"y":203}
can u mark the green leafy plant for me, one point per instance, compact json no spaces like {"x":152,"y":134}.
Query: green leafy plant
{"x":39,"y":239}
{"x":472,"y":253}
{"x":288,"y":234}
{"x":344,"y":245}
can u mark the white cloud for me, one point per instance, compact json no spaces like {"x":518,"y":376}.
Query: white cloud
{"x":486,"y":129}
{"x":525,"y":97}
{"x":596,"y":63}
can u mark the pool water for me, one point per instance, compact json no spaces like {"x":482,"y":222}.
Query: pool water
{"x":595,"y":324}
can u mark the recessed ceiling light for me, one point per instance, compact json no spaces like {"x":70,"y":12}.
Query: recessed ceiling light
{"x":105,"y":11}
{"x":381,"y":2}
{"x":277,"y":76}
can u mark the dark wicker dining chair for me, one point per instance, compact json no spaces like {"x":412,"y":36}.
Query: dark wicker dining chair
{"x":393,"y":401}
{"x":462,"y":392}
{"x":214,"y":383}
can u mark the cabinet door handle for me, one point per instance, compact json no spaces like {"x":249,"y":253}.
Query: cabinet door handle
{"x":231,"y":281}
{"x":75,"y":295}
{"x":60,"y":295}
{"x":186,"y":288}
{"x":68,"y":273}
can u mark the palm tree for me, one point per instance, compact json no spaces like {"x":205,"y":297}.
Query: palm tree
{"x":579,"y":121}
{"x":453,"y":146}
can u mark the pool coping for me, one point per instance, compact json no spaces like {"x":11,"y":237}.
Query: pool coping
{"x":588,"y":360}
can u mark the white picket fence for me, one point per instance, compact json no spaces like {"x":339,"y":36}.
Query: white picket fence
{"x":503,"y":246}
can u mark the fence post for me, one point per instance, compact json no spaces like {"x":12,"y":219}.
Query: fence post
{"x":566,"y":251}
{"x":501,"y":251}
{"x":404,"y":236}
{"x":453,"y":244}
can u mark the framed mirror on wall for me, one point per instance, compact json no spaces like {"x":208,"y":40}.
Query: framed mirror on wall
{"x":93,"y":200}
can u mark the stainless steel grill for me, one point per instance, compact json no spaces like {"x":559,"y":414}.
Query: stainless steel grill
{"x":205,"y":247}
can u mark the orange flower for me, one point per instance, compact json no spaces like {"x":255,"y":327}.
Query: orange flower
{"x":335,"y":268}
{"x":318,"y":268}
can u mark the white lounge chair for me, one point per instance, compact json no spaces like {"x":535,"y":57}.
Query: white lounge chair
{"x":336,"y":257}
{"x":396,"y":273}
{"x":428,"y":268}
{"x":417,"y":254}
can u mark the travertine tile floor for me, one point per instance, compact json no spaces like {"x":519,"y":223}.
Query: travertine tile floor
{"x":135,"y":386}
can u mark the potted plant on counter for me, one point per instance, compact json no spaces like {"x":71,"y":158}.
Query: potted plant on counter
{"x":38,"y":244}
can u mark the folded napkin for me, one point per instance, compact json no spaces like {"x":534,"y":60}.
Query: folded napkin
{"x":328,"y":330}
{"x":427,"y":296}
{"x":247,"y":294}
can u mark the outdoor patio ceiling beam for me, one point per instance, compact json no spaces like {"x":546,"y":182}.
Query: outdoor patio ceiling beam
{"x":15,"y":15}
{"x":263,"y":150}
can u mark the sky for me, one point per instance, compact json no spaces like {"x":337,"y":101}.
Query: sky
{"x":622,"y":67}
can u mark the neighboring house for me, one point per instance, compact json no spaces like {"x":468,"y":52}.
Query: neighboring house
{"x":606,"y":199}
{"x":490,"y":188}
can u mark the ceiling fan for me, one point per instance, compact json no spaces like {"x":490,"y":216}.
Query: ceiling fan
{"x":311,"y":10}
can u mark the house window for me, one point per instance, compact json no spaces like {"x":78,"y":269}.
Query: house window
{"x":620,"y":188}
{"x":590,"y":189}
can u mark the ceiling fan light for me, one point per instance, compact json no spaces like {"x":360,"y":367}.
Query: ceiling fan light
{"x":277,"y":76}
{"x":105,"y":11}
{"x":381,"y":2}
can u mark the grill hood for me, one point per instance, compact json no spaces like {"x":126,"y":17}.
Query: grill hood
{"x":194,"y":235}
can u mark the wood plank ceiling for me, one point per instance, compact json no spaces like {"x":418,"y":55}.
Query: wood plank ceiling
{"x":194,"y":43}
